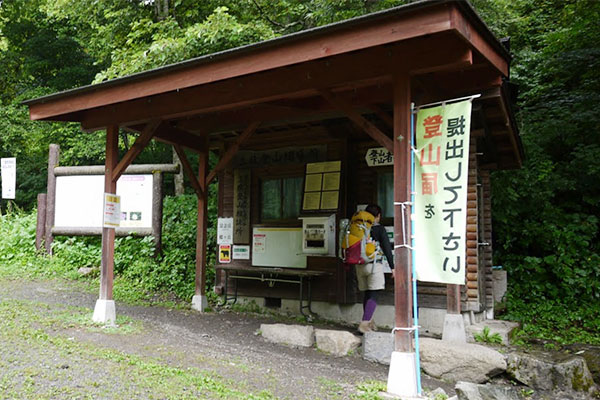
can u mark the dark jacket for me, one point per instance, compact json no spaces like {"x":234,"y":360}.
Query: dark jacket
{"x":379,"y":234}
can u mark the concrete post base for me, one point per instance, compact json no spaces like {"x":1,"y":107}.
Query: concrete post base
{"x":454,"y":329}
{"x":402,"y":377}
{"x":199,"y":303}
{"x":104,"y":312}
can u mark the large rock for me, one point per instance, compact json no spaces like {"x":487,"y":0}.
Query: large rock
{"x":460,"y":362}
{"x":473,"y":391}
{"x":378,"y":347}
{"x":292,"y":335}
{"x":539,"y":371}
{"x":338,"y":343}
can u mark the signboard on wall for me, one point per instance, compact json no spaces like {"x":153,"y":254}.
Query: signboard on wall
{"x":241,"y":206}
{"x":322,"y":186}
{"x":225,"y":230}
{"x":79,"y":201}
{"x":224,"y":253}
{"x":379,"y":157}
{"x":9,"y":177}
{"x":441,"y":177}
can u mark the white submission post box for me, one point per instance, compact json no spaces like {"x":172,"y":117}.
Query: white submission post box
{"x":318,"y":235}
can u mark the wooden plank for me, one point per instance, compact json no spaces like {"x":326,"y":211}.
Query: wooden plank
{"x":359,"y":120}
{"x":231,"y":151}
{"x":132,"y":169}
{"x":138,"y":146}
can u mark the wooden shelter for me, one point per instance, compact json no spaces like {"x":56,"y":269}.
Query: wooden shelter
{"x":325,"y":94}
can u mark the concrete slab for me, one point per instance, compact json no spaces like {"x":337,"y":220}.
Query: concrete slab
{"x":104,"y":312}
{"x":199,"y":303}
{"x":504,"y":328}
{"x":454,"y":329}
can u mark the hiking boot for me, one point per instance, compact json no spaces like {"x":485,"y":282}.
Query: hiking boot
{"x":372,"y":326}
{"x":364,"y":326}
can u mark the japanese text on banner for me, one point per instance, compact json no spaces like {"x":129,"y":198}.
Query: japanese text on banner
{"x":441,"y":172}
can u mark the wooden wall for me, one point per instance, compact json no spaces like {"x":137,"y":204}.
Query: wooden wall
{"x":361,"y":188}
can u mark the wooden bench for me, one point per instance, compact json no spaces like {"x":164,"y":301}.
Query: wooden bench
{"x":301,"y":277}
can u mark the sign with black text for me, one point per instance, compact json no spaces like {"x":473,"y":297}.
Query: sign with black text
{"x":440,"y":209}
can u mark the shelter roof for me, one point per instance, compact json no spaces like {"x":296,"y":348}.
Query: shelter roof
{"x":313,"y":75}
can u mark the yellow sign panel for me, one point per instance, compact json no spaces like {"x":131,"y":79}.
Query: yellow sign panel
{"x":313,"y":183}
{"x":329,"y":200}
{"x":311,"y":201}
{"x":331,"y":181}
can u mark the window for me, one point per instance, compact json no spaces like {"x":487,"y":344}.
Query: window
{"x":281,"y":198}
{"x":385,"y":193}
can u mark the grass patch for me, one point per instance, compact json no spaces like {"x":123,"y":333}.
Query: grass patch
{"x":39,"y":363}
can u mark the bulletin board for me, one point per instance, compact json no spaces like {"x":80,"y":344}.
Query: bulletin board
{"x":322,"y":186}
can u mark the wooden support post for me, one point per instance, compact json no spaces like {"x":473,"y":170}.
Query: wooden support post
{"x":53,"y":156}
{"x":108,"y":234}
{"x":41,"y":220}
{"x":199,"y":301}
{"x":157,"y":210}
{"x":402,"y":179}
{"x":453,"y":299}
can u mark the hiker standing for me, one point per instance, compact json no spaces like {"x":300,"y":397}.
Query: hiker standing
{"x":370,"y":277}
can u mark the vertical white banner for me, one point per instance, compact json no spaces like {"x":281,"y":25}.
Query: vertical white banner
{"x":9,"y":177}
{"x":441,"y":178}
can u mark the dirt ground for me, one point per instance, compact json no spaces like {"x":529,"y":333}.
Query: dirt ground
{"x":222,"y":343}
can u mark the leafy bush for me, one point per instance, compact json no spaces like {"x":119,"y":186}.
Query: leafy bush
{"x":139,"y":272}
{"x":486,"y":337}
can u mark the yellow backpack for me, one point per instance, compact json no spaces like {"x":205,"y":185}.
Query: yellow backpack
{"x":357,"y":245}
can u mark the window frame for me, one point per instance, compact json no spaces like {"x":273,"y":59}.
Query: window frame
{"x":281,"y":173}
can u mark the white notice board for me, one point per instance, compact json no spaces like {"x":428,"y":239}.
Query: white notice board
{"x":79,"y":201}
{"x":278,"y":247}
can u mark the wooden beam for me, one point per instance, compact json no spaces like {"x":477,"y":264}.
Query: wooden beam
{"x":359,"y":120}
{"x":108,"y":234}
{"x":138,"y":146}
{"x":385,"y":117}
{"x":402,"y":178}
{"x":187,"y":168}
{"x":347,"y":70}
{"x":295,"y":111}
{"x":319,"y":45}
{"x":472,"y":36}
{"x":231,"y":151}
{"x":176,"y":136}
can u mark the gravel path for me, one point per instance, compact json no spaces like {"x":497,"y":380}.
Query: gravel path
{"x":221,"y":343}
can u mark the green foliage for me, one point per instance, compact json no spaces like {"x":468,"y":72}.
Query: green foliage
{"x":555,"y":320}
{"x":140,"y":275}
{"x":170,"y":44}
{"x":486,"y":337}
